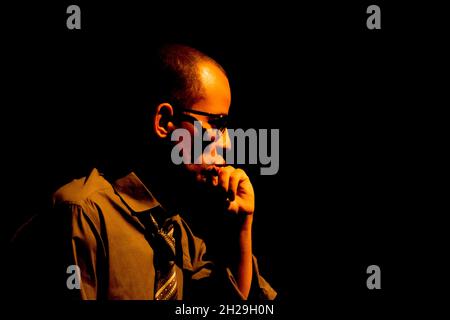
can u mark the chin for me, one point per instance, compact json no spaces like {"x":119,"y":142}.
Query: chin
{"x":203,"y":174}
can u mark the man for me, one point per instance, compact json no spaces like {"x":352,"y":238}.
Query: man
{"x":124,"y":238}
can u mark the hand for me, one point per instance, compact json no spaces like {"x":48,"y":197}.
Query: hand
{"x":242,"y":202}
{"x":237,"y":185}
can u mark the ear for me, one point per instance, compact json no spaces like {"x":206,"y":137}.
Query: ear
{"x":163,"y":120}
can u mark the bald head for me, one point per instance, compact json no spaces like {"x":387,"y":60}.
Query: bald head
{"x":181,"y":74}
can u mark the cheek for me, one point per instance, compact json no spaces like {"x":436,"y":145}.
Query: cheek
{"x":190,"y":152}
{"x":209,"y":153}
{"x":190,"y":128}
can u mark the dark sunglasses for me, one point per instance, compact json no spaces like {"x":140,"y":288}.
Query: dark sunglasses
{"x":217,"y":121}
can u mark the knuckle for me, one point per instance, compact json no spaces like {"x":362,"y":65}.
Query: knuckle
{"x":226,"y":171}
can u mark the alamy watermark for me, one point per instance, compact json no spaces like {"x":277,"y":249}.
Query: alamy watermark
{"x":233,"y":150}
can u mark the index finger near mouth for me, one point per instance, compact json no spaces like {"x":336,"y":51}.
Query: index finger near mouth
{"x":224,"y":177}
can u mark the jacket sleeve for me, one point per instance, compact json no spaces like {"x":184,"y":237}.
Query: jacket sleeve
{"x":84,"y":252}
{"x":221,"y":278}
{"x":210,"y":281}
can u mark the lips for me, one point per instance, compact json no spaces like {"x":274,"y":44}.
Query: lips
{"x":211,"y":175}
{"x":213,"y":170}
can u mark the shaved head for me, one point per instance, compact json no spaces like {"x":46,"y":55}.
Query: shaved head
{"x":178,"y":76}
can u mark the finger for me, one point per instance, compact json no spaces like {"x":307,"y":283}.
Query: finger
{"x":236,"y":177}
{"x":233,"y":207}
{"x":224,"y":177}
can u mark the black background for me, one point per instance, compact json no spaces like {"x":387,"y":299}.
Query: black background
{"x":354,"y":108}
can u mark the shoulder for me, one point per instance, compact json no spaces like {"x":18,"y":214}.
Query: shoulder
{"x":79,"y":190}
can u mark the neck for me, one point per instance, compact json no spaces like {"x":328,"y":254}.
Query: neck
{"x":164,"y":182}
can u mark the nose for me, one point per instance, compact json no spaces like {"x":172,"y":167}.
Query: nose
{"x":224,"y":140}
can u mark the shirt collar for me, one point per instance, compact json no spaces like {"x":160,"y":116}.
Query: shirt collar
{"x":139,"y":199}
{"x":134,"y":194}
